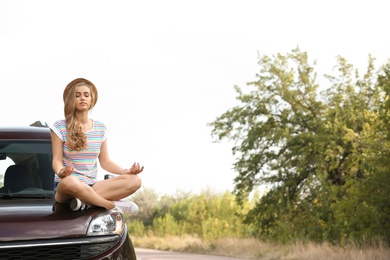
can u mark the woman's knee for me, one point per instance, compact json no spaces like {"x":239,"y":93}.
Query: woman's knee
{"x":134,"y":181}
{"x":137,"y":181}
{"x":70,"y":184}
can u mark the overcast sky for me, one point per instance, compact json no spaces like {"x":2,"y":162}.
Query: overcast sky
{"x":164,"y":69}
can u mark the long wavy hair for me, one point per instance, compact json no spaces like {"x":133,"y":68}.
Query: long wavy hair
{"x":76,"y":140}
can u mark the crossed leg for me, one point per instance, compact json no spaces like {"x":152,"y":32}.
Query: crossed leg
{"x":102,"y":193}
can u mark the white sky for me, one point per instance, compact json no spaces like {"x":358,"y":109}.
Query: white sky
{"x":164,"y":69}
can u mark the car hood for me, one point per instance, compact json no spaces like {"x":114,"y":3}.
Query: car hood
{"x":25,"y":219}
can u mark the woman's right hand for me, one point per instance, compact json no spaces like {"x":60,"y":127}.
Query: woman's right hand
{"x":66,"y":171}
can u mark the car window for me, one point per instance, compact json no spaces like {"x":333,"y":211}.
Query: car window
{"x":25,"y":167}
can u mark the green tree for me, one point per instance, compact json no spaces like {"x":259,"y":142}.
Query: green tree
{"x":312,"y":147}
{"x":166,"y":226}
{"x":210,"y":215}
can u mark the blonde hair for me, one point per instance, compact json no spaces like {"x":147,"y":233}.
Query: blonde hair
{"x":76,"y":140}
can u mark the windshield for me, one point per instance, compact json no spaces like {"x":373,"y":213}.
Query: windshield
{"x":25,"y":168}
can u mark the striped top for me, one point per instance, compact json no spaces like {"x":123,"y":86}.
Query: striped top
{"x":83,"y":161}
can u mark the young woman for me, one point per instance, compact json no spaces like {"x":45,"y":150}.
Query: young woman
{"x":78,"y":142}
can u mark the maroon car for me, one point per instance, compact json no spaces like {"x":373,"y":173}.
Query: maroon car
{"x":32,"y":225}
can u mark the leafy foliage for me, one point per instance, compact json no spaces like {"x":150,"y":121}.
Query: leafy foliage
{"x":320,"y":150}
{"x":207,"y":215}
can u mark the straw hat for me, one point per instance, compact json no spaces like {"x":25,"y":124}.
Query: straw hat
{"x":82,"y":80}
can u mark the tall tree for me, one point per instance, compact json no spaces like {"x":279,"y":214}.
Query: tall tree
{"x":310,"y":145}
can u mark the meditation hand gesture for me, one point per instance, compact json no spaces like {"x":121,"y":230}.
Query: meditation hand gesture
{"x":65,"y":171}
{"x":135,"y":169}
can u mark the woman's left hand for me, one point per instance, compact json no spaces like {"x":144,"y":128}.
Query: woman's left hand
{"x":135,"y":169}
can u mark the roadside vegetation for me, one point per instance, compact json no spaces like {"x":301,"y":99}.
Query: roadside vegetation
{"x":211,"y":223}
{"x":322,"y":151}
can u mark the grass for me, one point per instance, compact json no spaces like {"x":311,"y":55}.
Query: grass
{"x":254,"y":249}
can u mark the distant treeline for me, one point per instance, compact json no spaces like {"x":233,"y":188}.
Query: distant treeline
{"x":208,"y":215}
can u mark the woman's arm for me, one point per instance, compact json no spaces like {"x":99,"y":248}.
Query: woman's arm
{"x":57,"y":165}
